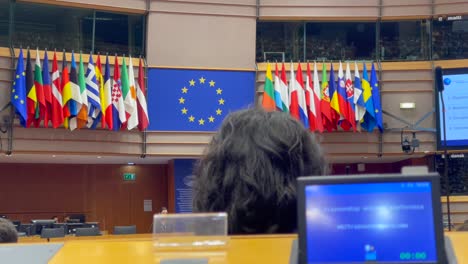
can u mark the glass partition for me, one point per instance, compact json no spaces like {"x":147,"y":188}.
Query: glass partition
{"x":52,"y":27}
{"x":4,"y":22}
{"x":278,"y":41}
{"x":450,"y":39}
{"x":340,"y":40}
{"x":58,"y":27}
{"x":404,"y":40}
{"x":125,"y":37}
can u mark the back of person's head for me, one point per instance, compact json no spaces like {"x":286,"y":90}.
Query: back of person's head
{"x":249,"y":170}
{"x":8,"y":232}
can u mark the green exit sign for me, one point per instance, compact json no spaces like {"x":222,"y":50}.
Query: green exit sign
{"x":129,"y":176}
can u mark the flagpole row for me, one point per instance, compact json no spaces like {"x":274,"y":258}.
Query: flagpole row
{"x":73,"y":98}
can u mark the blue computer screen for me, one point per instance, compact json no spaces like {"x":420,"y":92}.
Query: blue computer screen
{"x":383,"y":222}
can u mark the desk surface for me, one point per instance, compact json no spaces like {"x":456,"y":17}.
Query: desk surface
{"x":242,"y":249}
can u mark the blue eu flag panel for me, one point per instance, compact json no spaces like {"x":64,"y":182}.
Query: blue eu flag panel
{"x":196,"y":100}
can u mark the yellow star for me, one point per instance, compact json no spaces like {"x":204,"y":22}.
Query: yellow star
{"x":16,"y":97}
{"x":191,"y":118}
{"x":211,"y":118}
{"x":192,"y":82}
{"x":219,"y":91}
{"x":212,"y":83}
{"x":219,"y":111}
{"x":184,"y":111}
{"x":22,"y":102}
{"x":184,"y":90}
{"x":201,"y":121}
{"x":202,"y":80}
{"x":17,"y":76}
{"x":221,"y":101}
{"x":376,"y":110}
{"x":181,"y":100}
{"x":24,"y":74}
{"x":13,"y":91}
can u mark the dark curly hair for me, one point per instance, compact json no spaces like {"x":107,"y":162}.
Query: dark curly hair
{"x":249,"y":170}
{"x":8,"y":232}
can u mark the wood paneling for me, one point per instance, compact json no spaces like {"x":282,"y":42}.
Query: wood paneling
{"x":38,"y":191}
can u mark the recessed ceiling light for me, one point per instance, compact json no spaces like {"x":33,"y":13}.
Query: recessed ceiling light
{"x":53,"y":156}
{"x":99,"y":157}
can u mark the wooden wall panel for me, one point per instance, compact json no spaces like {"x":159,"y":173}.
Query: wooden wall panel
{"x":38,"y":191}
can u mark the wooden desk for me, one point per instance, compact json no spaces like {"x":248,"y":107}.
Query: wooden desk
{"x":243,"y":249}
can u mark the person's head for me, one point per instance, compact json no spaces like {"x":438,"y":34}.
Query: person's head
{"x":55,"y":218}
{"x":163,"y":210}
{"x":249,"y":170}
{"x":8,"y":232}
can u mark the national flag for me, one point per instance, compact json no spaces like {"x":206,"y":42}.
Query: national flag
{"x":118,"y":107}
{"x":93,"y":95}
{"x":75,"y":101}
{"x":374,"y":83}
{"x":130,"y":98}
{"x":38,"y":83}
{"x":18,"y":92}
{"x":284,"y":89}
{"x":317,"y":100}
{"x":309,"y":94}
{"x":107,"y":103}
{"x":278,"y":102}
{"x":31,"y":101}
{"x":143,"y":119}
{"x":66,"y":91}
{"x":334,"y":103}
{"x":369,"y":121}
{"x":102,"y":96}
{"x":268,"y":101}
{"x":57,"y":103}
{"x":350,"y":98}
{"x":304,"y":118}
{"x":82,"y":117}
{"x":343,"y":100}
{"x":360,"y":107}
{"x":293,"y":98}
{"x":47,"y":88}
{"x":327,"y":117}
{"x":125,"y":88}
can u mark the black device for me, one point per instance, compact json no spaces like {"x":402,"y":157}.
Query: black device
{"x":39,"y":224}
{"x":358,"y":218}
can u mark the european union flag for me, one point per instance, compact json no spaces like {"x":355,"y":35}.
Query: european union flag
{"x":18,"y":92}
{"x":374,"y":83}
{"x":196,"y":100}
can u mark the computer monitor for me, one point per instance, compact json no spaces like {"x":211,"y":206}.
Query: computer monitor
{"x":38,"y":224}
{"x":371,"y":218}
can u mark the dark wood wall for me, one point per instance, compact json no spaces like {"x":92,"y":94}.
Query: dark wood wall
{"x":40,"y":191}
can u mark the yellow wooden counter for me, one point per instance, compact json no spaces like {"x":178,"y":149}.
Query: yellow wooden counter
{"x":242,"y":249}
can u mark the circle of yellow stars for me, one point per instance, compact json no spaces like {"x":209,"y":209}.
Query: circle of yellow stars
{"x":16,"y":97}
{"x":185,"y":111}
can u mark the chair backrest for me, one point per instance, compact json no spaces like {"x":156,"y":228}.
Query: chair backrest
{"x":124,"y":230}
{"x":25,"y":228}
{"x":52,"y":232}
{"x":87,"y":231}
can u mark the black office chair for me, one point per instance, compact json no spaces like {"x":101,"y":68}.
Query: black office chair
{"x":25,"y":228}
{"x":124,"y":230}
{"x":87,"y":231}
{"x":52,"y":233}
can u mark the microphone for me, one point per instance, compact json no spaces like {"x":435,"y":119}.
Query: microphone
{"x":438,"y":79}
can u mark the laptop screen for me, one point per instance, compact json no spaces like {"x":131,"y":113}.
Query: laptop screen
{"x":383,"y":222}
